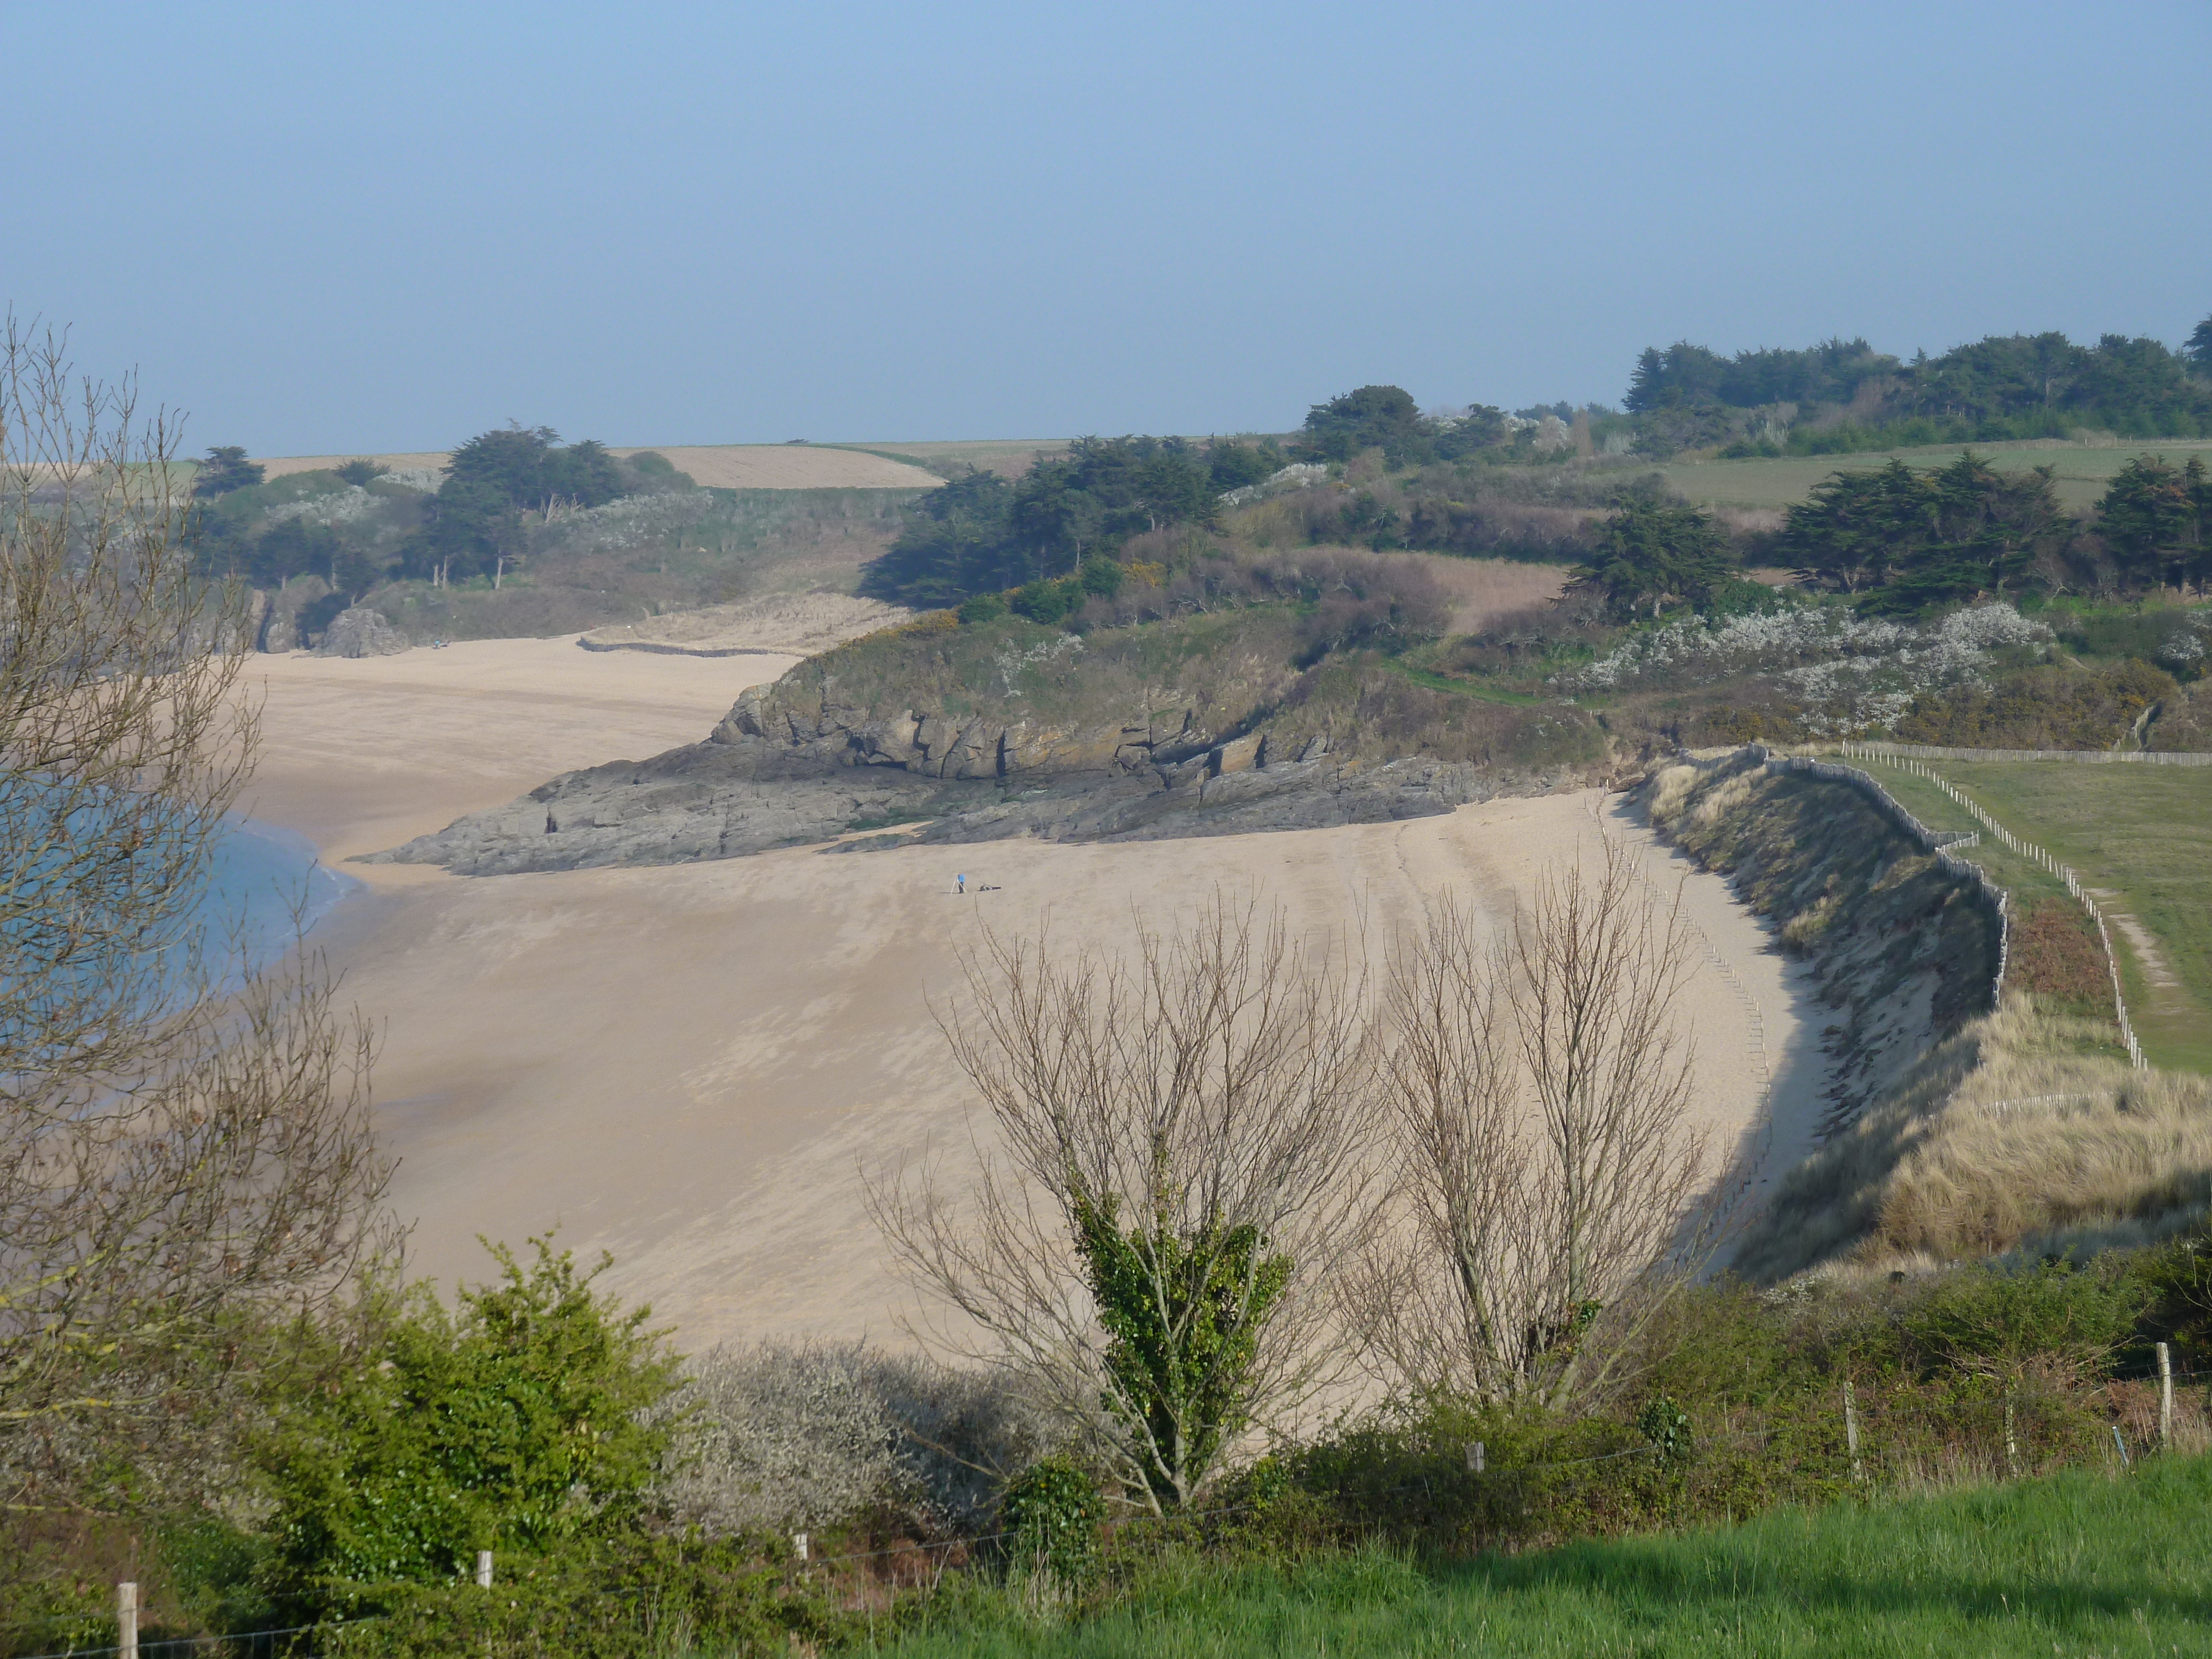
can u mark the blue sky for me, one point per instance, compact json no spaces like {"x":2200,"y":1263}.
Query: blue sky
{"x":354,"y":229}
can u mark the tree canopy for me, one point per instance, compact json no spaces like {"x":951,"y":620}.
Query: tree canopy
{"x":1653,"y":554}
{"x":2152,"y":522}
{"x":981,"y":533}
{"x":1918,"y":539}
{"x":2198,"y":350}
{"x":2016,"y":385}
{"x":1382,"y":417}
{"x":226,"y":469}
{"x":1385,"y":418}
{"x":475,"y":519}
{"x":1685,"y":375}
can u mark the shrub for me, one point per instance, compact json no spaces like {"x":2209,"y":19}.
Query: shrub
{"x":2045,"y":707}
{"x":626,"y":1598}
{"x":1992,"y":1322}
{"x":802,"y":1438}
{"x":516,"y":1422}
{"x":1050,"y":1517}
{"x":781,"y":1438}
{"x":1047,"y":602}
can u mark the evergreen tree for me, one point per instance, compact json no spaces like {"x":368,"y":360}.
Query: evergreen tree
{"x":1856,"y":526}
{"x":224,"y":469}
{"x":2198,"y":351}
{"x":1653,"y":554}
{"x":1382,"y":417}
{"x":2151,"y":520}
{"x":1983,"y":536}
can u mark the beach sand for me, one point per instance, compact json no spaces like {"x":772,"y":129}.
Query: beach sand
{"x":688,"y":1065}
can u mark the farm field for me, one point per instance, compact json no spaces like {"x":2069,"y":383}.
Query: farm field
{"x":2078,"y":1564}
{"x":2083,"y":472}
{"x":715,"y":466}
{"x":1009,"y":457}
{"x":2142,"y":834}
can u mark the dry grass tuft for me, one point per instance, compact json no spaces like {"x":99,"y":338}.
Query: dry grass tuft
{"x":2010,"y":1136}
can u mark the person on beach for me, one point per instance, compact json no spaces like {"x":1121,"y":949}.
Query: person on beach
{"x":962,"y":881}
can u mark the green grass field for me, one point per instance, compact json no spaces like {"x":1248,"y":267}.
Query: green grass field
{"x":2144,"y":832}
{"x":2083,"y":473}
{"x":2075,"y":1564}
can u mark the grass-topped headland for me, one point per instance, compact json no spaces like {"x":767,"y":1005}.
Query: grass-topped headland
{"x":2140,"y":838}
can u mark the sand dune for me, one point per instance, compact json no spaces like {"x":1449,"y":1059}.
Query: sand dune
{"x":686,"y":1065}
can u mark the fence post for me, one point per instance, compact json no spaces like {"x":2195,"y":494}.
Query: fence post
{"x":2165,"y":1397}
{"x":483,"y":1569}
{"x":126,"y":1620}
{"x":1851,"y":1429}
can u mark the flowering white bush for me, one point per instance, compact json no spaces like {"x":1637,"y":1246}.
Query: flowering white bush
{"x":1852,"y":673}
{"x":340,"y":507}
{"x":1010,"y":662}
{"x":1702,"y":650}
{"x":1300,"y":475}
{"x":789,"y":1437}
{"x":631,"y":521}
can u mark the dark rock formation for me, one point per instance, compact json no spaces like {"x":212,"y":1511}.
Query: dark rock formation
{"x":765,"y":779}
{"x":360,"y":632}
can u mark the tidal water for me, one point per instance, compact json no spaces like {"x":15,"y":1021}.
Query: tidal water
{"x":259,"y":877}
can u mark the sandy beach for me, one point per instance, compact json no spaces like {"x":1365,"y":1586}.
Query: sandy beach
{"x":688,"y":1066}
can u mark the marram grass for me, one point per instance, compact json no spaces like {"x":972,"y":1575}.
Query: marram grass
{"x":2075,"y":1564}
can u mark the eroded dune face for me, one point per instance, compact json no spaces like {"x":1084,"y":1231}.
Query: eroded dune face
{"x":689,"y":1065}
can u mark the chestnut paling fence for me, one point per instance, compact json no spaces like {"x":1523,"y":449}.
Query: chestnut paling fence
{"x":2029,"y":850}
{"x":2079,"y":757}
{"x":1945,"y":845}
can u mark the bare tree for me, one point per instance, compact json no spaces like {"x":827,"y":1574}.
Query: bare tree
{"x":1180,"y":1142}
{"x":184,"y":1135}
{"x":1538,"y":1088}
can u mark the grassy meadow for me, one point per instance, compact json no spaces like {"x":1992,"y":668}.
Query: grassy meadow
{"x":2078,"y":1564}
{"x":2144,"y":833}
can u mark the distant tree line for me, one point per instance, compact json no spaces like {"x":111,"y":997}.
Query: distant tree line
{"x":1908,"y":539}
{"x":1842,"y":395}
{"x":474,"y":524}
{"x":982,"y":533}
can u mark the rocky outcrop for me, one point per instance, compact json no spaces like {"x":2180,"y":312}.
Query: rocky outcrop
{"x":360,"y":632}
{"x":973,"y":747}
{"x":760,"y":783}
{"x":279,"y":613}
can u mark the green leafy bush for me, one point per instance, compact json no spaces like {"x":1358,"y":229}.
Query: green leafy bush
{"x":512,"y":1422}
{"x":1050,"y":1517}
{"x":618,"y":1598}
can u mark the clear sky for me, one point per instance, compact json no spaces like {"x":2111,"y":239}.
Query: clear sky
{"x":322,"y":227}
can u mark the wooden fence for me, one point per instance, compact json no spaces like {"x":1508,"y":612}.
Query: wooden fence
{"x":1943,"y":844}
{"x":2086,"y":756}
{"x":2036,"y":855}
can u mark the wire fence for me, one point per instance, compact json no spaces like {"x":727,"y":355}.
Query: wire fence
{"x":2036,"y":855}
{"x":1875,"y":1439}
{"x":1944,"y":846}
{"x":2079,"y":756}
